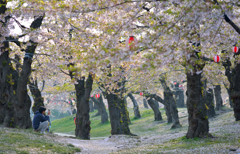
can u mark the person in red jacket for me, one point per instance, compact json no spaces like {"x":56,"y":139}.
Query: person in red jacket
{"x":74,"y":118}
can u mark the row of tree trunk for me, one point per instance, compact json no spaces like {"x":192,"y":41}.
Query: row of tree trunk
{"x":101,"y":108}
{"x":15,"y":102}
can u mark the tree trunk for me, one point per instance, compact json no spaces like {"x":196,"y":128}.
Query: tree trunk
{"x":229,"y":98}
{"x":135,"y":106}
{"x":96,"y":107}
{"x":235,"y":75}
{"x":125,"y":100}
{"x":102,"y":109}
{"x":230,"y":75}
{"x":209,"y":99}
{"x":22,"y":107}
{"x":156,"y":102}
{"x":179,"y":96}
{"x":15,"y":102}
{"x":218,"y":97}
{"x":37,"y":96}
{"x":83,"y":90}
{"x":145,"y":103}
{"x":119,"y":116}
{"x":8,"y":82}
{"x":157,"y":113}
{"x":197,"y":112}
{"x":168,"y":113}
{"x":169,"y":100}
{"x":91,"y":106}
{"x":235,"y":94}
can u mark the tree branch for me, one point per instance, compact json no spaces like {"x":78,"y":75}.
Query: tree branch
{"x":237,"y":29}
{"x":65,"y":72}
{"x":19,"y":24}
{"x":228,"y":20}
{"x":43,"y":85}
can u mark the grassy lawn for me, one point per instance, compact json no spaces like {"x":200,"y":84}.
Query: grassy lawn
{"x":153,"y":136}
{"x":28,"y":141}
{"x":157,"y":137}
{"x":142,"y":126}
{"x":223,"y":127}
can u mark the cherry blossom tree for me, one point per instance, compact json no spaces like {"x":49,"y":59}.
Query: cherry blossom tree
{"x":171,"y":35}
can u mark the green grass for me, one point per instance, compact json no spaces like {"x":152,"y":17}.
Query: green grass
{"x":225,"y":136}
{"x":221,"y":144}
{"x":223,"y":126}
{"x":141,"y":126}
{"x":28,"y":141}
{"x":66,"y":125}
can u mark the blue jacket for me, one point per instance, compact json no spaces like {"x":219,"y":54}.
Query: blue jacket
{"x":38,"y":117}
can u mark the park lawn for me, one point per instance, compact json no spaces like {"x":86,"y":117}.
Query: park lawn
{"x":142,"y":126}
{"x":223,"y":127}
{"x":13,"y":140}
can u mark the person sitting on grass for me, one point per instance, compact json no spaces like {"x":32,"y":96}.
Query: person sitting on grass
{"x":40,"y":121}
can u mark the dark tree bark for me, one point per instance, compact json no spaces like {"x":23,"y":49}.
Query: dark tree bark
{"x":102,"y":109}
{"x":156,"y":102}
{"x":233,"y":90}
{"x":83,"y":90}
{"x":230,"y":76}
{"x":15,"y":102}
{"x":91,"y":106}
{"x":8,"y":82}
{"x":235,"y":74}
{"x":229,"y":98}
{"x":170,"y":103}
{"x":22,"y":107}
{"x":168,"y":113}
{"x":96,"y":107}
{"x":235,"y":94}
{"x":157,"y":113}
{"x":197,"y":112}
{"x":145,"y":103}
{"x":37,"y":96}
{"x":169,"y":107}
{"x":209,"y":99}
{"x":181,"y":98}
{"x":119,"y":116}
{"x":125,"y":101}
{"x":179,"y":95}
{"x":218,"y":97}
{"x":151,"y":101}
{"x":135,"y":106}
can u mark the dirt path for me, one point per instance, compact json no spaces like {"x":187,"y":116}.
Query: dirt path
{"x":104,"y":146}
{"x":116,"y":142}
